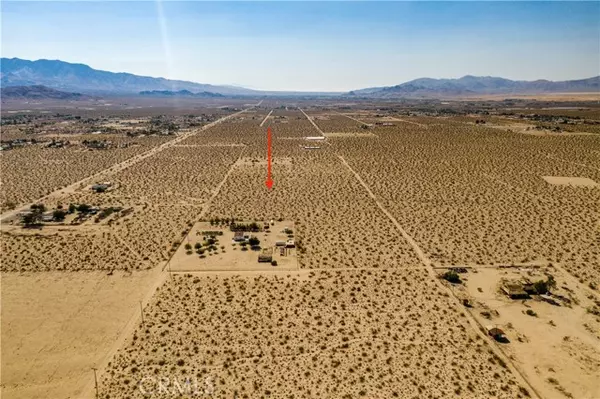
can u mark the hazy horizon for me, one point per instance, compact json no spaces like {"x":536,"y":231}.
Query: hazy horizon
{"x":311,"y":46}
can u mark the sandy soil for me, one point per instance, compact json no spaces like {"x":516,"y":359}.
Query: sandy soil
{"x":57,"y":326}
{"x":53,"y":169}
{"x":321,"y":334}
{"x":466,"y":201}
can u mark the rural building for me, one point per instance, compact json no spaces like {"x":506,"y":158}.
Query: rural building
{"x":47,"y":217}
{"x":280,"y":243}
{"x":290,"y":244}
{"x":97,"y":144}
{"x":528,"y":286}
{"x":100,"y":188}
{"x":238,"y":236}
{"x":514,"y":290}
{"x":458,"y":269}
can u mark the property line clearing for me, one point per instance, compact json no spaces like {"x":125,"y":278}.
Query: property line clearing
{"x":428,"y":265}
{"x":354,"y":119}
{"x":411,"y":122}
{"x":313,"y":122}
{"x":266,"y":117}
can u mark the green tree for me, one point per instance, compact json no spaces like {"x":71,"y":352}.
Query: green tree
{"x":254,"y":241}
{"x":542,"y":287}
{"x":31,"y":219}
{"x":59,"y":214}
{"x":41,"y":208}
{"x":84,"y":208}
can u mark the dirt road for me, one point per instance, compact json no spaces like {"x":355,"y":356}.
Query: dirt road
{"x":477,"y":327}
{"x":313,"y":123}
{"x":266,"y":118}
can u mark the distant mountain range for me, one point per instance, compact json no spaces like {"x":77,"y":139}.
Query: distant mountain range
{"x":476,"y":85}
{"x":180,"y":93}
{"x":38,"y":92}
{"x":62,"y":75}
{"x":68,"y":77}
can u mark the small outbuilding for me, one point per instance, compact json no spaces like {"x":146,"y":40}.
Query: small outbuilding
{"x":238,"y":236}
{"x":47,"y":216}
{"x":100,"y":188}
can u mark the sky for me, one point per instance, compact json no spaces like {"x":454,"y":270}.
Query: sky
{"x":311,"y":45}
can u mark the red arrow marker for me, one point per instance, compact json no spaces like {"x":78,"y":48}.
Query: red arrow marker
{"x":269,"y":181}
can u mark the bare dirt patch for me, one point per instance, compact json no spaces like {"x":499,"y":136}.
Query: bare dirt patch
{"x":57,"y":326}
{"x":570,"y":181}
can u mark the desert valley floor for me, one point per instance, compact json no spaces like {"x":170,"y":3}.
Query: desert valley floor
{"x":402,"y":242}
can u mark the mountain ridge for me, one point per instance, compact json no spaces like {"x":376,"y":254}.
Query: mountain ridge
{"x":38,"y":92}
{"x":180,"y":93}
{"x":469,"y":85}
{"x":81,"y":78}
{"x":61,"y":75}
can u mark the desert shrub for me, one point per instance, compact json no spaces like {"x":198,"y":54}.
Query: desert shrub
{"x":452,"y":277}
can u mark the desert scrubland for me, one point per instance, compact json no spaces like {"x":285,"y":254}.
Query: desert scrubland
{"x":393,"y":197}
{"x":472,"y":194}
{"x":380,"y":333}
{"x":35,"y":171}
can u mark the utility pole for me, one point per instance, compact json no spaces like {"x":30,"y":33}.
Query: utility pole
{"x":95,"y":381}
